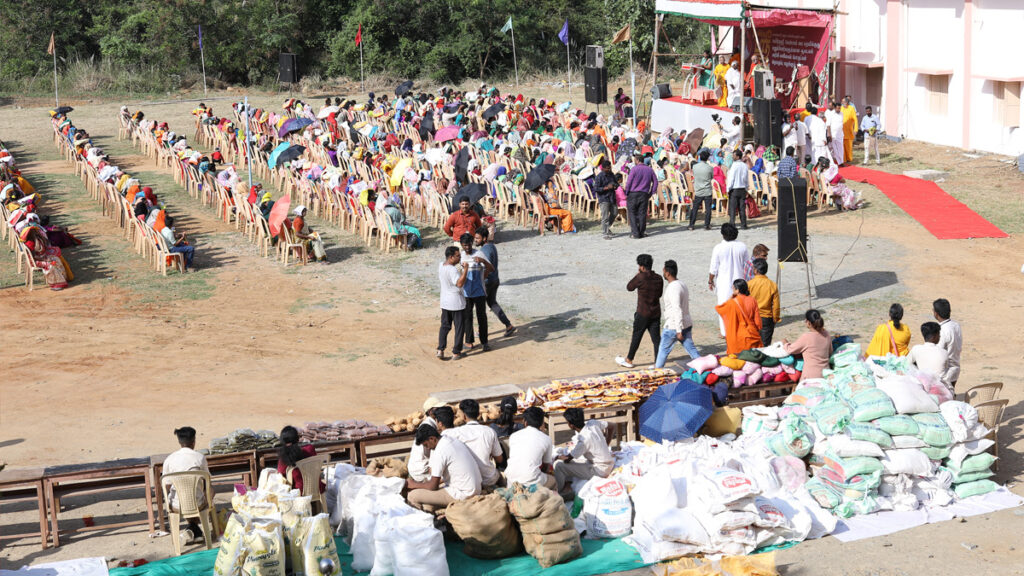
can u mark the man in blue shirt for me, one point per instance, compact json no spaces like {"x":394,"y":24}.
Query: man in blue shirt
{"x":869,"y":124}
{"x":787,"y":166}
{"x":491,"y":283}
{"x":476,"y":294}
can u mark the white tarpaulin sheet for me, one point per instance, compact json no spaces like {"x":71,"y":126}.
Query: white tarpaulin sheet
{"x":79,"y":567}
{"x":882,"y":523}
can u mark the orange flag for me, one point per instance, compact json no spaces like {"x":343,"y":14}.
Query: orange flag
{"x":50,"y":49}
{"x":621,"y":35}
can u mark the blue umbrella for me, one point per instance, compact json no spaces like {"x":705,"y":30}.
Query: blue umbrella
{"x":675,"y":411}
{"x":293,"y":125}
{"x":272,"y":159}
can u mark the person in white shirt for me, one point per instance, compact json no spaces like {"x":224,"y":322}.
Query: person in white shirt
{"x":529,"y":453}
{"x":801,"y":139}
{"x":869,"y":124}
{"x":736,"y":183}
{"x":481,"y":441}
{"x":790,"y":135}
{"x":930,"y":357}
{"x":452,"y":464}
{"x":951,"y":339}
{"x":728,"y":260}
{"x":186,"y":459}
{"x":588,"y":454}
{"x":818,"y":133}
{"x":732,"y":133}
{"x":675,"y":308}
{"x":733,"y":82}
{"x":452,"y":301}
{"x":834,"y":121}
{"x":418,"y":462}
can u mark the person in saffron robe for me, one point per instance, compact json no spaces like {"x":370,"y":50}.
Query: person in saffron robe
{"x":741,"y":318}
{"x":849,"y":129}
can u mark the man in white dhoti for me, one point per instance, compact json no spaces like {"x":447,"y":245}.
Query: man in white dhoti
{"x":834,"y":121}
{"x":734,"y":82}
{"x":818,"y":132}
{"x":728,"y":260}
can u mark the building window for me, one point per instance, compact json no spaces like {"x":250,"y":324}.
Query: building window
{"x":938,"y":93}
{"x":874,"y":78}
{"x":1007,"y":108}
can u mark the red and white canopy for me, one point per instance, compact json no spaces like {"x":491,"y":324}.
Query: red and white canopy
{"x":764,"y":12}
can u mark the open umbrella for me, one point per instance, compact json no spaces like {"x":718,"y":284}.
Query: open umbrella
{"x":398,"y":172}
{"x":290,"y":154}
{"x":278,"y":213}
{"x":272,"y":159}
{"x":493,"y":110}
{"x":447,"y":133}
{"x":403,"y":88}
{"x":293,"y":125}
{"x":695,"y":138}
{"x":63,"y":109}
{"x":462,"y":164}
{"x":675,"y":411}
{"x":326,"y":111}
{"x":626,"y":149}
{"x":427,"y":125}
{"x":539,"y":176}
{"x":474,"y":192}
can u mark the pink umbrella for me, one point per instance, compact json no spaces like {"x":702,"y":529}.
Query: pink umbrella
{"x":278,"y":214}
{"x":447,"y":133}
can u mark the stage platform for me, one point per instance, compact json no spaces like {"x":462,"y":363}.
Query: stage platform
{"x":680,"y":114}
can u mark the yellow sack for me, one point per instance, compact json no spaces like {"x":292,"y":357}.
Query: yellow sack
{"x":265,"y":549}
{"x":756,"y":565}
{"x":318,"y":544}
{"x":724,"y":420}
{"x":231,"y":555}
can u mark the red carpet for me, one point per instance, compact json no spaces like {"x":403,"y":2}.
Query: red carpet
{"x":944,"y":216}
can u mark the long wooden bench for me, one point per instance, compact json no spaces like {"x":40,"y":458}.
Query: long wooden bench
{"x":621,"y":421}
{"x":395,"y":444}
{"x":60,"y":481}
{"x":22,"y":484}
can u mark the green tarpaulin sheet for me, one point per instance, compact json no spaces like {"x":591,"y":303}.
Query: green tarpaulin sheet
{"x":599,"y":557}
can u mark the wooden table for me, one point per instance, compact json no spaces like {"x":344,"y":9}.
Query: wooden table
{"x":394,"y":444}
{"x":621,"y":420}
{"x":232,"y":464}
{"x":59,"y":481}
{"x":338,"y":450}
{"x":21,"y":483}
{"x":769,"y":394}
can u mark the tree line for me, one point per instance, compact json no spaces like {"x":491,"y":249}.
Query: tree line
{"x":444,"y":40}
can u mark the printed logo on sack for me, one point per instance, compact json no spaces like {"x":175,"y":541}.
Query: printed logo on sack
{"x":735,"y":481}
{"x":611,"y":489}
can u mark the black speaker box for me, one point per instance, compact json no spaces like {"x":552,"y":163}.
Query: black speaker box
{"x":792,"y":220}
{"x":659,"y":91}
{"x":595,"y":84}
{"x":288,"y":68}
{"x":768,"y":120}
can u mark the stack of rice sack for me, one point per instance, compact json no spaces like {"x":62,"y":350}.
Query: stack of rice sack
{"x":549,"y":534}
{"x":874,"y":437}
{"x":485,"y":525}
{"x":272,"y":533}
{"x":715,"y":497}
{"x":339,"y":430}
{"x":968,"y":464}
{"x":243,"y":439}
{"x":386,"y":536}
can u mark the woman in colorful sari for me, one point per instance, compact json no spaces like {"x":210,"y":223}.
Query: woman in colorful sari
{"x":893,"y":337}
{"x":719,"y":74}
{"x":742,"y":319}
{"x":548,"y":196}
{"x":55,"y":269}
{"x":707,"y":76}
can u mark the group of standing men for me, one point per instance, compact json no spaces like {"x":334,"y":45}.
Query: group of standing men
{"x":832,"y":137}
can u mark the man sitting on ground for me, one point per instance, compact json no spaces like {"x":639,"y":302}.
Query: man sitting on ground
{"x":186,"y":459}
{"x":529,"y":460}
{"x":930,"y":357}
{"x":481,"y":441}
{"x":452,"y":463}
{"x":589,"y":454}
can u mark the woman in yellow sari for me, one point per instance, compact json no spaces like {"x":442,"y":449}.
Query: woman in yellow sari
{"x":893,"y":337}
{"x":720,"y":70}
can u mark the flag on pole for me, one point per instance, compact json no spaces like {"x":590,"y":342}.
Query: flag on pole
{"x":200,"y":37}
{"x":507,"y":26}
{"x":51,"y":48}
{"x":359,"y":35}
{"x":563,"y":35}
{"x":622,"y":35}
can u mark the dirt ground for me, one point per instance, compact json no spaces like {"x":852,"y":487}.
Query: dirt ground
{"x":107,"y":368}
